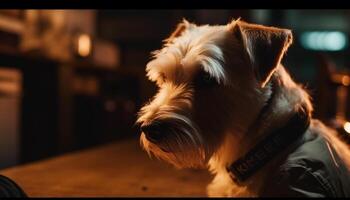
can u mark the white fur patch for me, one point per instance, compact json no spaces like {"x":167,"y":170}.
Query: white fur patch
{"x":198,"y":48}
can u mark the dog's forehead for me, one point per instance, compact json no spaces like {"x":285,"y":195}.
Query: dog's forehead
{"x":196,"y":48}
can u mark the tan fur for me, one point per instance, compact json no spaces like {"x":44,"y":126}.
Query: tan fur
{"x":210,"y":125}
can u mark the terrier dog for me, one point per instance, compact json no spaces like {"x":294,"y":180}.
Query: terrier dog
{"x":226,"y":102}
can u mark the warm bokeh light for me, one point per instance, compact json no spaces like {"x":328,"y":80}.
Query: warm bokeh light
{"x":347,"y":127}
{"x":84,"y":45}
{"x":345,"y":80}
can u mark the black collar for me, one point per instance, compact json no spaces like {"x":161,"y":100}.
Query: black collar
{"x":270,"y":146}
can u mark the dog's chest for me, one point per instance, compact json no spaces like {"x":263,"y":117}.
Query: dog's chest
{"x":292,"y":173}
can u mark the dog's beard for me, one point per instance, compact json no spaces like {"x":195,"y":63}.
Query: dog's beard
{"x":182,"y":144}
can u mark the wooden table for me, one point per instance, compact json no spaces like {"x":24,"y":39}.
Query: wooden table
{"x":113,"y":170}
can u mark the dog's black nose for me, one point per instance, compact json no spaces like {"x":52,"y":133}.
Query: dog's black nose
{"x":152,"y":131}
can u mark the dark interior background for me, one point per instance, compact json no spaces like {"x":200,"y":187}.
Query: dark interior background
{"x":56,"y":106}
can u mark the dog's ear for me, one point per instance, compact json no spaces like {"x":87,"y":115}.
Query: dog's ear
{"x":265,"y":46}
{"x":182,"y":26}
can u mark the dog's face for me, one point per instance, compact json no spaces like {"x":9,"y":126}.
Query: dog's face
{"x":211,"y":81}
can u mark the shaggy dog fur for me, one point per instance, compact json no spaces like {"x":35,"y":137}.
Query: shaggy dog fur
{"x":213,"y":82}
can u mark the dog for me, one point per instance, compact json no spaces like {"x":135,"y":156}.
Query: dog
{"x":226,"y":103}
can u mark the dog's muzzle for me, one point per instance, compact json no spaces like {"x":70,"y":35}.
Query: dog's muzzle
{"x":153,"y":131}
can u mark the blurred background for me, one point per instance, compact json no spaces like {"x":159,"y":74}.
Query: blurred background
{"x":75,"y":79}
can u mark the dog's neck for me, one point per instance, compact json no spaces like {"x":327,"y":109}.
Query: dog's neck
{"x":279,"y":110}
{"x":274,"y":142}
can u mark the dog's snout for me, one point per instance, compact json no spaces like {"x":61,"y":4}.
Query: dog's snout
{"x":152,"y":131}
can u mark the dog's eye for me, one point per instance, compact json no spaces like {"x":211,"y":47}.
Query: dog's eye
{"x":161,"y":79}
{"x":203,"y":79}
